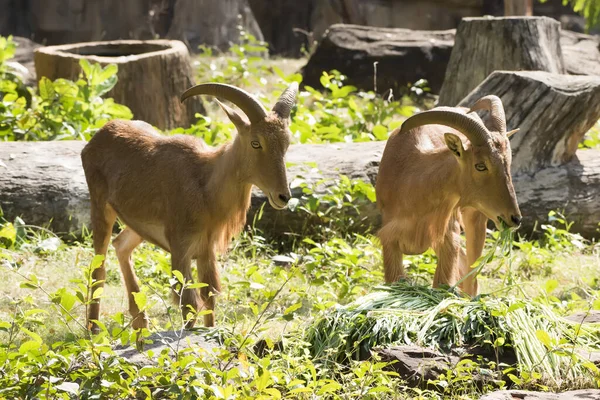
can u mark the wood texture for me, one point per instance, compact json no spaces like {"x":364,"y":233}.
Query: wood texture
{"x":152,"y":75}
{"x":552,"y":111}
{"x":44,"y":180}
{"x":518,"y":7}
{"x":485,"y":45}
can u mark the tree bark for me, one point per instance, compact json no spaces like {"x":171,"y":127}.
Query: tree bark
{"x":211,"y":22}
{"x":485,"y":45}
{"x":43,"y":181}
{"x":285,"y":25}
{"x":152,"y":76}
{"x":552,"y":111}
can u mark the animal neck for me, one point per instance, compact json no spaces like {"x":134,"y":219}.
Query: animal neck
{"x":229,"y":183}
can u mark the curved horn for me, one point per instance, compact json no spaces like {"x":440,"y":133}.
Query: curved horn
{"x":286,"y":101}
{"x":244,"y":100}
{"x":470,"y":126}
{"x":494,"y":105}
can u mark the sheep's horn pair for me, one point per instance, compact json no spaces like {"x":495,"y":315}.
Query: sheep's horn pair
{"x":470,"y":126}
{"x":245,"y":101}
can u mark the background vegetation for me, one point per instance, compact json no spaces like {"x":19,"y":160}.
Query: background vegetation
{"x":292,"y":321}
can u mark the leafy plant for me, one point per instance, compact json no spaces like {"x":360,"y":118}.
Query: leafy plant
{"x":61,"y":109}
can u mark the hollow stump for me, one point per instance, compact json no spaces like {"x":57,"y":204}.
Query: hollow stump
{"x":485,"y":45}
{"x":152,"y":75}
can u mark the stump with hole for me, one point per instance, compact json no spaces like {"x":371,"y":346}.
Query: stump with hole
{"x":485,"y":45}
{"x":152,"y":75}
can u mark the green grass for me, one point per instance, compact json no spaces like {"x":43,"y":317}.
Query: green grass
{"x":321,"y":294}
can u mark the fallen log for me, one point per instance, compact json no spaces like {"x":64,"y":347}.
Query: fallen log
{"x":44,"y":181}
{"x":403,"y":56}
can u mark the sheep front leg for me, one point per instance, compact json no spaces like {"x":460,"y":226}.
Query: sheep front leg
{"x":393,"y":268}
{"x":474,"y":223}
{"x":187,"y":298}
{"x":208,"y":272}
{"x":448,"y":253}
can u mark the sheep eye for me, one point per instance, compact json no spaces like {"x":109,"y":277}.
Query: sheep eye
{"x":480,"y":167}
{"x":255,"y":144}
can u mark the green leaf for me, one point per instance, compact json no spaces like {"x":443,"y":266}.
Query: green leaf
{"x":117,"y":110}
{"x":380,"y":132}
{"x":544,"y":338}
{"x":551,"y":285}
{"x":98,"y":293}
{"x":8,"y":233}
{"x":105,"y":86}
{"x":108,"y":72}
{"x":140,"y":299}
{"x":86,"y":67}
{"x":179,"y":276}
{"x":329,"y":387}
{"x":69,"y":387}
{"x":46,"y":88}
{"x":292,"y":308}
{"x":32,"y":335}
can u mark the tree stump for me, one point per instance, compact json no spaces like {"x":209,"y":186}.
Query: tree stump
{"x":552,"y":111}
{"x":152,"y":75}
{"x":485,"y":45}
{"x":581,"y":53}
{"x":352,"y":50}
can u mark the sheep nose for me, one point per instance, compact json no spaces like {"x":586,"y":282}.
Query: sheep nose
{"x":516,"y":219}
{"x":284,"y":197}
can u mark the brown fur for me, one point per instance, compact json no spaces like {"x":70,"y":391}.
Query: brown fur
{"x":180,"y":194}
{"x":425,"y":192}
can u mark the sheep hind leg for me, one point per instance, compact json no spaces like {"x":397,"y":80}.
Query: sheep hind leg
{"x":103,"y":218}
{"x":124,"y":245}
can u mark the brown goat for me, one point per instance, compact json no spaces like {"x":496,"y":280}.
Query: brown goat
{"x":434,"y":179}
{"x":182,"y":195}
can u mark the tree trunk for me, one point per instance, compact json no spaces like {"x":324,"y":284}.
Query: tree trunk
{"x":43,"y":181}
{"x":152,"y":76}
{"x":212,"y":22}
{"x":552,"y":111}
{"x":518,"y":7}
{"x":485,"y":45}
{"x":285,"y":25}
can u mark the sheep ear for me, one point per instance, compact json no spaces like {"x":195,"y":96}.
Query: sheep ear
{"x":454,"y":144}
{"x":240,"y":122}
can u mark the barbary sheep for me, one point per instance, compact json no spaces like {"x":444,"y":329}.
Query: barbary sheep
{"x":182,"y":195}
{"x":443,"y":169}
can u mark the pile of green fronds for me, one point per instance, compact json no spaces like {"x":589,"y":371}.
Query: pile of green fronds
{"x":543,"y":342}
